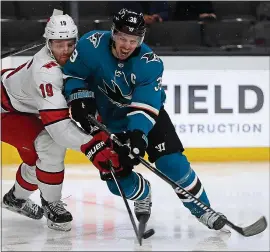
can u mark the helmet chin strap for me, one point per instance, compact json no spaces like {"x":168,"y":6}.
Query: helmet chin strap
{"x":49,"y":48}
{"x":114,"y":48}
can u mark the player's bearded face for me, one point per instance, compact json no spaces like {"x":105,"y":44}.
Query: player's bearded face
{"x":62,"y":49}
{"x":125,"y":45}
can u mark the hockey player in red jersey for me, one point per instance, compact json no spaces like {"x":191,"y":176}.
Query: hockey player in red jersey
{"x":33,"y":91}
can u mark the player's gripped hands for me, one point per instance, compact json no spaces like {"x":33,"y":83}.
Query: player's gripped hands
{"x":137,"y":144}
{"x":99,"y":151}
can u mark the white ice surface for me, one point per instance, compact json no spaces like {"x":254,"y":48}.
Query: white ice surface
{"x":240,"y":191}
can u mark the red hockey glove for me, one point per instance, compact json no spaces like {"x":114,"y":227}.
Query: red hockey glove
{"x":99,"y":151}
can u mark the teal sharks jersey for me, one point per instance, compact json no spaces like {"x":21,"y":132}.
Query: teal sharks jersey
{"x":128,"y":93}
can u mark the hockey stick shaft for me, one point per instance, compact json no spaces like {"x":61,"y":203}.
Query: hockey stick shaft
{"x":126,"y":204}
{"x":123,"y":195}
{"x":22,"y":49}
{"x":253,"y":229}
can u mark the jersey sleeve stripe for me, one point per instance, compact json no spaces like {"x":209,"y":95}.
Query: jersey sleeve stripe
{"x":50,"y":116}
{"x":151,"y":119}
{"x":48,"y":124}
{"x":144,"y":107}
{"x":146,"y":112}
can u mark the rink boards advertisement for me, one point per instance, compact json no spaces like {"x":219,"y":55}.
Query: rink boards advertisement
{"x":215,"y":102}
{"x":219,"y":105}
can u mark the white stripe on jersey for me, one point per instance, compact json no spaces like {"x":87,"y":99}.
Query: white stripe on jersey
{"x":143,"y":113}
{"x":144,"y":106}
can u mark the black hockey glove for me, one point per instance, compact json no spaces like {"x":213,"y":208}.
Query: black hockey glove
{"x":138,"y":142}
{"x":135,"y":143}
{"x":82,"y":103}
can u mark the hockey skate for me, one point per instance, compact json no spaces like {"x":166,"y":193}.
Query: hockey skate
{"x":143,"y":207}
{"x":21,"y":206}
{"x":213,"y":221}
{"x":143,"y":211}
{"x":58,"y":217}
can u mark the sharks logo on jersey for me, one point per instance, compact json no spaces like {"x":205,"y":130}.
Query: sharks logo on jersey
{"x":150,"y":56}
{"x":119,"y":92}
{"x":95,"y":38}
{"x":115,"y":94}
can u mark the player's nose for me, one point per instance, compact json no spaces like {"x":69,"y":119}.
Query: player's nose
{"x":65,"y":49}
{"x":126,"y":47}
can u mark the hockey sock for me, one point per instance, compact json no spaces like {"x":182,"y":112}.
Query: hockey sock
{"x":177,"y":168}
{"x":134,"y":186}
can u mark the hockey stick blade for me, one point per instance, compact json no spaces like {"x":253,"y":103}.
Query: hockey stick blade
{"x":148,"y":233}
{"x":142,"y":227}
{"x":253,"y":229}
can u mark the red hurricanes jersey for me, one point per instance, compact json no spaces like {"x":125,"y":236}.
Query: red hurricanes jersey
{"x":36,"y":87}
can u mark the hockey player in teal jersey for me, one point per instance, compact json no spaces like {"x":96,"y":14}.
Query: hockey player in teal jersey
{"x":113,"y":73}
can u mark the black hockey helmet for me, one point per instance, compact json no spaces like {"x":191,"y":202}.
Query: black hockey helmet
{"x":129,"y":22}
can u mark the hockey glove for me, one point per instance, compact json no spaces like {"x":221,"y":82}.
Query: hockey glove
{"x":99,"y":151}
{"x":82,"y":103}
{"x":137,"y":146}
{"x":138,"y":142}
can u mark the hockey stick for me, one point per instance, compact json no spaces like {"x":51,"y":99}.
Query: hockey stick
{"x":141,"y":232}
{"x":127,"y":205}
{"x":22,"y":49}
{"x":253,"y":229}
